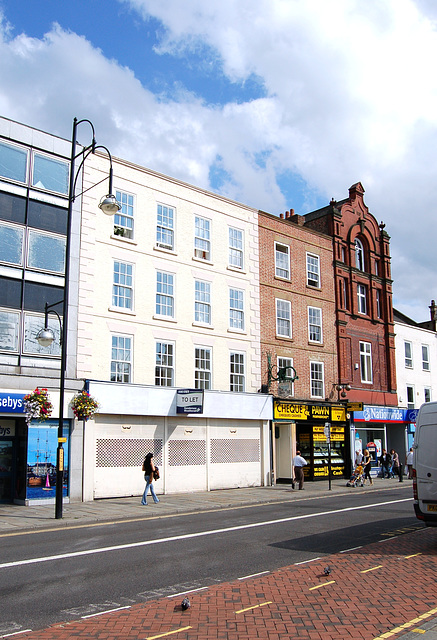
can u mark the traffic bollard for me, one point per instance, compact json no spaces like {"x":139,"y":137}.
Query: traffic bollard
{"x":401,"y":477}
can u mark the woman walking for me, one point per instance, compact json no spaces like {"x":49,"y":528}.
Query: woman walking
{"x":149,"y":468}
{"x":367,"y":463}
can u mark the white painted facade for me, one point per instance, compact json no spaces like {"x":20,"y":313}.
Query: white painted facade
{"x":227,"y":445}
{"x":417,"y":373}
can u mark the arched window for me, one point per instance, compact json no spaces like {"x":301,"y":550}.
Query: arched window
{"x":359,"y":254}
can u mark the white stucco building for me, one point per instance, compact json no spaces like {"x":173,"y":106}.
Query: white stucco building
{"x":168,"y":301}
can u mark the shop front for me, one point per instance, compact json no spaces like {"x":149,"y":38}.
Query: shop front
{"x":28,"y":454}
{"x":377,"y":428}
{"x":319,"y":431}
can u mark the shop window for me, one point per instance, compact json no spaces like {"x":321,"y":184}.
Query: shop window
{"x":42,"y":446}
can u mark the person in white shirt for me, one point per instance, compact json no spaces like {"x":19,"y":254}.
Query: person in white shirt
{"x":299,"y":463}
{"x":409,"y":462}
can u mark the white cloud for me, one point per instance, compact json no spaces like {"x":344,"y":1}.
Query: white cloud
{"x":350,"y":94}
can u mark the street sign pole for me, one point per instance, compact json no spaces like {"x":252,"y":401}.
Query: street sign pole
{"x":327,"y":431}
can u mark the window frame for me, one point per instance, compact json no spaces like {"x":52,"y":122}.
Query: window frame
{"x":50,"y":159}
{"x":201,"y":253}
{"x":122,"y":229}
{"x":281,"y":319}
{"x":279,"y":267}
{"x":360,"y":262}
{"x":316,"y":365}
{"x":236,"y":313}
{"x":163,"y":229}
{"x":237,"y":379}
{"x":362,"y":299}
{"x":202,"y":307}
{"x":236,"y":252}
{"x":165,"y":295}
{"x":313,"y":281}
{"x":310,"y":324}
{"x":426,"y":363}
{"x":411,"y":404}
{"x":167,"y":367}
{"x":427,"y":394}
{"x":366,"y":364}
{"x":26,"y":151}
{"x":285,"y":362}
{"x":116,"y":297}
{"x":117,"y":374}
{"x":202,"y":375}
{"x":408,"y":359}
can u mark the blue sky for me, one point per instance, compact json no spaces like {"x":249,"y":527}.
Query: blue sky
{"x":278,"y":104}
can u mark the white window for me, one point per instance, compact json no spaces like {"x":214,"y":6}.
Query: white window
{"x":121,"y":358}
{"x":9,"y":330}
{"x":202,"y":302}
{"x":124,"y":219}
{"x":202,"y":238}
{"x":236,"y":309}
{"x":284,"y":366}
{"x":236,"y":248}
{"x":425,"y":357}
{"x":164,"y":369}
{"x":366,"y":361}
{"x":408,"y":347}
{"x":282,"y":261}
{"x":378,"y":304}
{"x":315,"y":324}
{"x":283,"y":318}
{"x":165,"y":227}
{"x":343,"y":289}
{"x":427,"y":394}
{"x":317,"y":380}
{"x":313,"y":270}
{"x":362,"y":299}
{"x":359,"y":254}
{"x":237,"y":374}
{"x":410,"y":397}
{"x":122,"y":289}
{"x":164,"y":294}
{"x":202,"y":368}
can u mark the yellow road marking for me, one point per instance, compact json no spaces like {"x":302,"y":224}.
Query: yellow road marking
{"x":379,"y":566}
{"x":169,"y":633}
{"x":413,"y":555}
{"x":418,"y":631}
{"x":321,"y":585}
{"x":407,"y":625}
{"x":263,"y":604}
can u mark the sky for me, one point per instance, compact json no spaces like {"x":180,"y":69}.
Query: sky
{"x":277,"y":104}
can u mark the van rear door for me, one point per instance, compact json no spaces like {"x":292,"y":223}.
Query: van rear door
{"x":425,"y":462}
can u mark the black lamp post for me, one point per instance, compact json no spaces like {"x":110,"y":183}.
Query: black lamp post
{"x":45,"y":337}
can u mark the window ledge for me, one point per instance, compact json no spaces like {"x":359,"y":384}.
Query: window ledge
{"x":203,"y":325}
{"x":315,"y":343}
{"x":165,"y":318}
{"x":163,"y":250}
{"x":123,"y":239}
{"x":240,"y":331}
{"x":236,"y":269}
{"x":127,"y":312}
{"x":313,"y":287}
{"x":289,"y":338}
{"x":202,"y":260}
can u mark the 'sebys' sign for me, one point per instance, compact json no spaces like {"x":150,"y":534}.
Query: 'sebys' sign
{"x":189,"y":401}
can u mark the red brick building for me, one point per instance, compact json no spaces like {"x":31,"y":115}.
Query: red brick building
{"x":299,"y":338}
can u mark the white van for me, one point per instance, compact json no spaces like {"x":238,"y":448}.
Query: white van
{"x":425,"y":465}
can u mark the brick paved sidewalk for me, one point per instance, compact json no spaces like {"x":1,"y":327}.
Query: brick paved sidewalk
{"x":382,"y":591}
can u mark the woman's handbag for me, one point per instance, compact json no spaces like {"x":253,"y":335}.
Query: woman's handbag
{"x":156,"y":474}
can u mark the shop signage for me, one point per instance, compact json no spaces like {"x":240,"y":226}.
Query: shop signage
{"x":11,"y":402}
{"x":354,"y":406}
{"x":385,"y":414}
{"x":189,"y":401}
{"x":292,"y":411}
{"x":319,"y":434}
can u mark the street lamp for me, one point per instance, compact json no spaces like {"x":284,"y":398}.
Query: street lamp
{"x":45,"y":337}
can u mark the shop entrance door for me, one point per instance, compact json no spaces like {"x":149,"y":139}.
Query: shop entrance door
{"x":7,"y":470}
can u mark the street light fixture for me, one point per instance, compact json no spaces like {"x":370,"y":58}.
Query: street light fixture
{"x":45,"y":337}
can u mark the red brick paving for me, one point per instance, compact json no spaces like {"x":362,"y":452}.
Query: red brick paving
{"x":356,"y":605}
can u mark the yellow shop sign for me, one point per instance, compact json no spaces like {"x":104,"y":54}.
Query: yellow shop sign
{"x":290,"y":411}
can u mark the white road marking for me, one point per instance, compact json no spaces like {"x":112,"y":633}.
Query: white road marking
{"x":351,"y":549}
{"x":254,"y":575}
{"x":198,"y":534}
{"x":102,"y":613}
{"x":183,"y":593}
{"x":16,"y":633}
{"x":306,"y":561}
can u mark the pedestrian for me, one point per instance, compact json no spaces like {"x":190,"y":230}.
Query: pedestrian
{"x":149,"y":468}
{"x":358,"y":457}
{"x":394,"y":469}
{"x":409,"y":463}
{"x":367,"y":463}
{"x":385,"y":462}
{"x":299,"y":463}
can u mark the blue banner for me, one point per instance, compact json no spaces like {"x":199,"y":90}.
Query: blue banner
{"x":11,"y":402}
{"x":385,"y":414}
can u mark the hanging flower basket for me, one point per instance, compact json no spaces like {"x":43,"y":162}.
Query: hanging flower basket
{"x":37,"y":405}
{"x":84,"y":406}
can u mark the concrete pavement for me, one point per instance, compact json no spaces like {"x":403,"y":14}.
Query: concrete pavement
{"x":386,"y":590}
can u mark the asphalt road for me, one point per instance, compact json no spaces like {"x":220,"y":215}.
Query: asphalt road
{"x":48,"y":577}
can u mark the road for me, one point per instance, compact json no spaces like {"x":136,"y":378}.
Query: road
{"x":53,"y":576}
